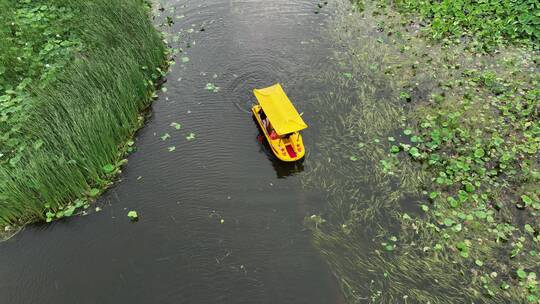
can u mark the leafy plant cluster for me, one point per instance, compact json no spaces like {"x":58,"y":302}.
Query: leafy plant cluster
{"x":36,"y":41}
{"x":479,"y":138}
{"x":482,"y":24}
{"x":484,"y":196}
{"x":448,"y":210}
{"x":486,"y":23}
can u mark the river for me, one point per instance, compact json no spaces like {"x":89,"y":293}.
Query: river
{"x":220,"y":220}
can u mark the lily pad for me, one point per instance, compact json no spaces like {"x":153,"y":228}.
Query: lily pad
{"x":211,"y":87}
{"x":405,"y":96}
{"x":93,"y":192}
{"x":414,"y":152}
{"x":133,"y":215}
{"x":522,"y":274}
{"x":69,"y":211}
{"x":478,"y":153}
{"x":108,"y":168}
{"x":165,"y":136}
{"x":448,"y":222}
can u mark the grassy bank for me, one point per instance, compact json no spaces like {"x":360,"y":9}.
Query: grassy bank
{"x":429,"y":155}
{"x":74,"y":78}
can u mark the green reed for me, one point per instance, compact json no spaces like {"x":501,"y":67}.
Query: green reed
{"x":84,"y":117}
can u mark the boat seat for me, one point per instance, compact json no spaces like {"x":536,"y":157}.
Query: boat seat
{"x":290,"y":151}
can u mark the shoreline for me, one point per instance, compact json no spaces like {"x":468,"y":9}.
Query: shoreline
{"x":95,"y":104}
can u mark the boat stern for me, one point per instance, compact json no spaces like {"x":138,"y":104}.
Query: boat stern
{"x":289,"y":150}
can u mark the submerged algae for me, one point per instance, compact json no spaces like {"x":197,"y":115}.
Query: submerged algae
{"x":384,"y":234}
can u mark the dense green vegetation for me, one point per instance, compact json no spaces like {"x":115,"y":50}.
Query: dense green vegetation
{"x":481,"y":149}
{"x":478,"y":138}
{"x":74,"y":78}
{"x":449,"y":210}
{"x":483,"y":24}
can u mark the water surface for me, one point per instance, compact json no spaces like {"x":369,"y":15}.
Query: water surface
{"x":220,"y":218}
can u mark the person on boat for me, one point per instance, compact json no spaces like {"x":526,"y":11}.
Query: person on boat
{"x":266,"y":124}
{"x":264,"y":119}
{"x":273,"y":134}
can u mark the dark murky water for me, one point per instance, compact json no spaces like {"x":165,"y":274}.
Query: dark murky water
{"x":220,"y":219}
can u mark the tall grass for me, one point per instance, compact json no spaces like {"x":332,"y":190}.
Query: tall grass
{"x":87,"y":114}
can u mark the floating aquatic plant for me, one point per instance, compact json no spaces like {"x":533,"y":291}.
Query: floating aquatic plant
{"x":133,"y":216}
{"x":190,"y":136}
{"x":212,"y":87}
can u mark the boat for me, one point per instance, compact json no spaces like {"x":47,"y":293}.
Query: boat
{"x":280,"y":123}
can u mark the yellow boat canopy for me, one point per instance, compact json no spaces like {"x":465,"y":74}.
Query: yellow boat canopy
{"x":279,"y":110}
